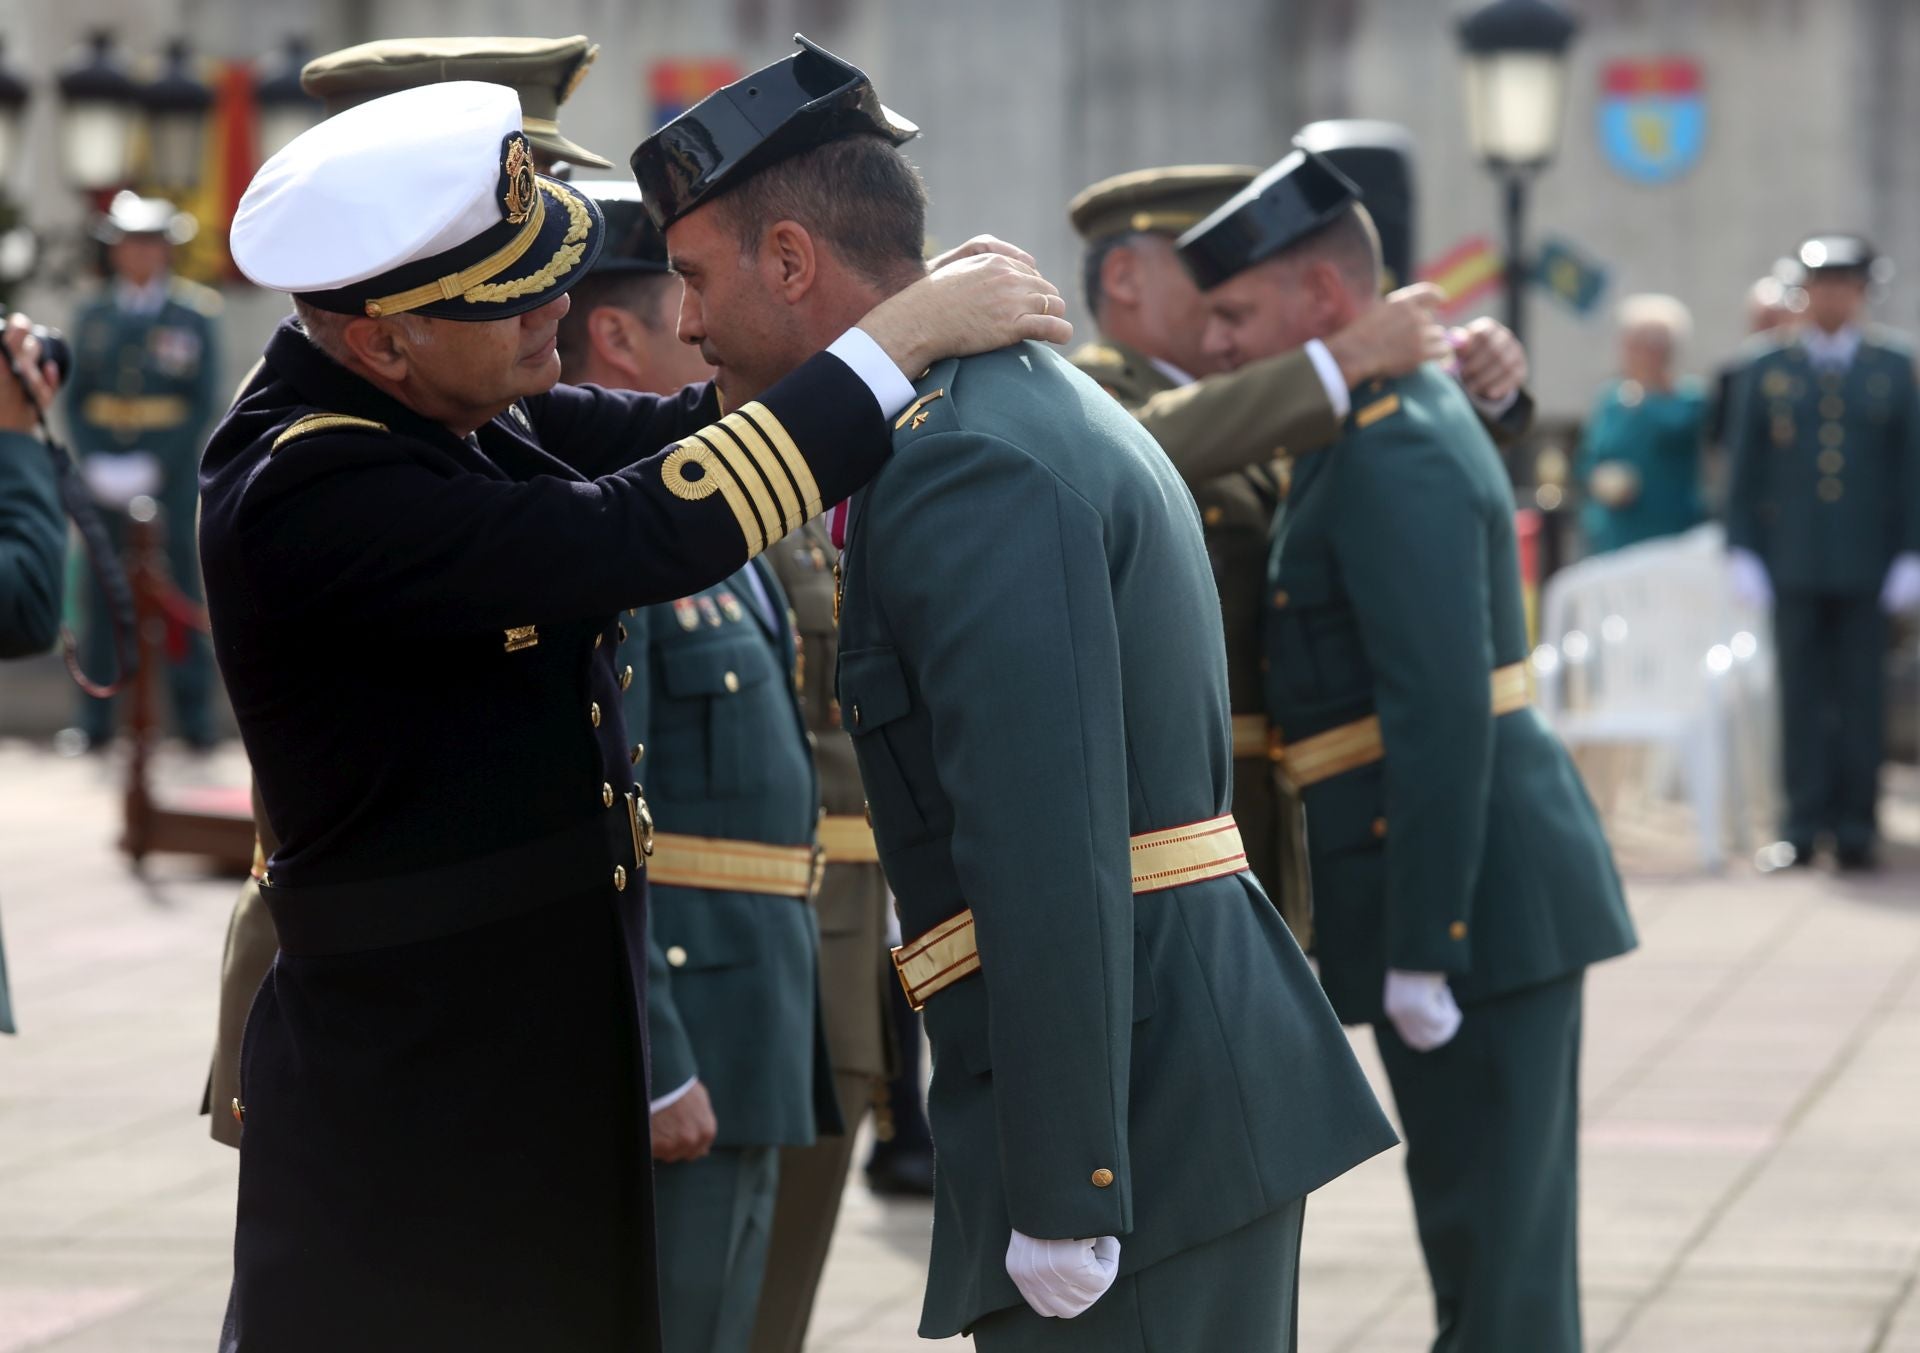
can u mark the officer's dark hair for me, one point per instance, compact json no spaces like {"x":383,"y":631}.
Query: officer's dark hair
{"x":1094,"y":262}
{"x":859,"y":195}
{"x":1351,"y":242}
{"x":640,"y":294}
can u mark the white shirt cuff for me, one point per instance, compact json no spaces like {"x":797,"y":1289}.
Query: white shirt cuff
{"x":672,"y":1097}
{"x":879,"y":372}
{"x":1493,"y":410}
{"x":1329,"y":372}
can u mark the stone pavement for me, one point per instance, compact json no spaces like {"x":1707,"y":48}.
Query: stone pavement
{"x":1752,"y":1162}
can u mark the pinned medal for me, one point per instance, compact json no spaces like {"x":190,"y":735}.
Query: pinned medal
{"x":1775,"y":384}
{"x":686,"y":613}
{"x":709,"y":611}
{"x":730,"y":606}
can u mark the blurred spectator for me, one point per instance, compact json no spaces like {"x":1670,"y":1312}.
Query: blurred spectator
{"x":1639,"y":462}
{"x":140,"y":405}
{"x":1773,"y":304}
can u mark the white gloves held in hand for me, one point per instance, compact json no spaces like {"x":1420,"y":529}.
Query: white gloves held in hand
{"x":1061,"y":1278}
{"x":1422,"y":1008}
{"x":1747,"y":577}
{"x":1901,"y":591}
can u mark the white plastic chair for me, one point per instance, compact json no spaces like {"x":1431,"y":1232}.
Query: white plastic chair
{"x":1645,"y":646}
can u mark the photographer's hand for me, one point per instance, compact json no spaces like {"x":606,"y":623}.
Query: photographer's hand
{"x":21,"y":401}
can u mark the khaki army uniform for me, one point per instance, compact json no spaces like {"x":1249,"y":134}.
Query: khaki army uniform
{"x":852,"y":907}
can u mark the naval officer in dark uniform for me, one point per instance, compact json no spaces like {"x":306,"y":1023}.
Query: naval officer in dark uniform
{"x":416,"y":545}
{"x":1136,"y":1081}
{"x":1823,"y":526}
{"x":1462,"y":883}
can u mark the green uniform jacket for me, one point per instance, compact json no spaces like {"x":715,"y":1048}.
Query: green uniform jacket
{"x":852,"y":901}
{"x":33,"y":547}
{"x":732,"y":977}
{"x":1826,"y":466}
{"x":148,"y":383}
{"x":1031,"y":668}
{"x":1472,"y":849}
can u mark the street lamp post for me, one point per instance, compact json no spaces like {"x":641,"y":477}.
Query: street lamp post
{"x":286,"y":109}
{"x":177,"y":107}
{"x":13,"y":114}
{"x":101,"y":107}
{"x":1516,"y":83}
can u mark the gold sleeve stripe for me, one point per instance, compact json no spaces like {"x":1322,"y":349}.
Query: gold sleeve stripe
{"x":673,"y":473}
{"x":746,"y":477}
{"x":769,"y":427}
{"x":323,"y":422}
{"x":736,"y":500}
{"x":749,"y":440}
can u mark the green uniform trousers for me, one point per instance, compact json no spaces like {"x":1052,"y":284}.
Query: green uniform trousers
{"x":813,"y":1180}
{"x":190,"y":681}
{"x":1491,"y":1122}
{"x":1239,"y":1292}
{"x":1832,"y":655}
{"x":713,"y":1217}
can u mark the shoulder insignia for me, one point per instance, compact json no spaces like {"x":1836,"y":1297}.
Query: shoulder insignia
{"x":916,"y":414}
{"x":1097,"y":355}
{"x":323,"y":422}
{"x":1374,"y":412}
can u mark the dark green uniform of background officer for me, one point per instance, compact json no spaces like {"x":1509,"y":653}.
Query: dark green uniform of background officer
{"x":1451,"y":839}
{"x":1232,"y":435}
{"x":1823,"y":521}
{"x":145,"y":381}
{"x":733,"y":1002}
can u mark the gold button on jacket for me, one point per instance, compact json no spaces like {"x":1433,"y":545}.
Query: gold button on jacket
{"x":1102,"y":1178}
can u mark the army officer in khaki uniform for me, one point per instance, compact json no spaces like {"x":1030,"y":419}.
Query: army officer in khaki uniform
{"x":1231,"y":434}
{"x":1458,"y":864}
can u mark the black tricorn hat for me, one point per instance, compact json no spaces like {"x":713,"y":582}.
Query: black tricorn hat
{"x":1283,"y":206}
{"x":797,"y":103}
{"x":634,"y":242}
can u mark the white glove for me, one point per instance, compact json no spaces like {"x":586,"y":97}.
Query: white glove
{"x":1062,"y":1277}
{"x":1901,"y":591}
{"x":1747,"y":576}
{"x":1422,"y":1008}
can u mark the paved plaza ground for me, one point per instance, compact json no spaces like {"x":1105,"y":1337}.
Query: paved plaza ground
{"x":1752,"y":1140}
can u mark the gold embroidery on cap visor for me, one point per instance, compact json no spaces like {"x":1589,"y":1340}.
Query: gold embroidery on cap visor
{"x":471,"y":284}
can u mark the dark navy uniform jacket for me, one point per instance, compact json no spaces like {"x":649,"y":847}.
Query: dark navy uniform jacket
{"x":442,"y":1079}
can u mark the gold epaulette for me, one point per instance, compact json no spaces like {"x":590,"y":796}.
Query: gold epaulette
{"x":323,"y":422}
{"x":1374,"y":412}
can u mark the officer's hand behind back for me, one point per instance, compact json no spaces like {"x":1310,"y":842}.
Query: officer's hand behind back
{"x":685,"y":1129}
{"x":973,"y":304}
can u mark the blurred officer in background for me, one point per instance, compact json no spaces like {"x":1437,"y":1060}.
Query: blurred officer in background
{"x":1457,"y":861}
{"x":1823,"y":526}
{"x":143,"y":396}
{"x":1639,"y":460}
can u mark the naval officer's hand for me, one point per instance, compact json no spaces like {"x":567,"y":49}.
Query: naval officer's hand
{"x":1391,"y":337}
{"x":982,"y":244}
{"x":1422,"y":1009}
{"x":685,"y":1129}
{"x":973,"y":304}
{"x":1061,"y":1278}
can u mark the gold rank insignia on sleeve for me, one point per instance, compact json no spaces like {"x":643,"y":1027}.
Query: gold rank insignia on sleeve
{"x":522,"y":636}
{"x":751,"y":460}
{"x":916,"y":411}
{"x":1374,"y":412}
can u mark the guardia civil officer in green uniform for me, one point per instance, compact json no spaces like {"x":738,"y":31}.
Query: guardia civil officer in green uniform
{"x":142,"y":398}
{"x":711,"y":705}
{"x":1135,"y":1080}
{"x":543,"y":72}
{"x":1458,"y":865}
{"x":417,"y":545}
{"x":1232,"y":434}
{"x":33,"y":529}
{"x":1823,"y":526}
